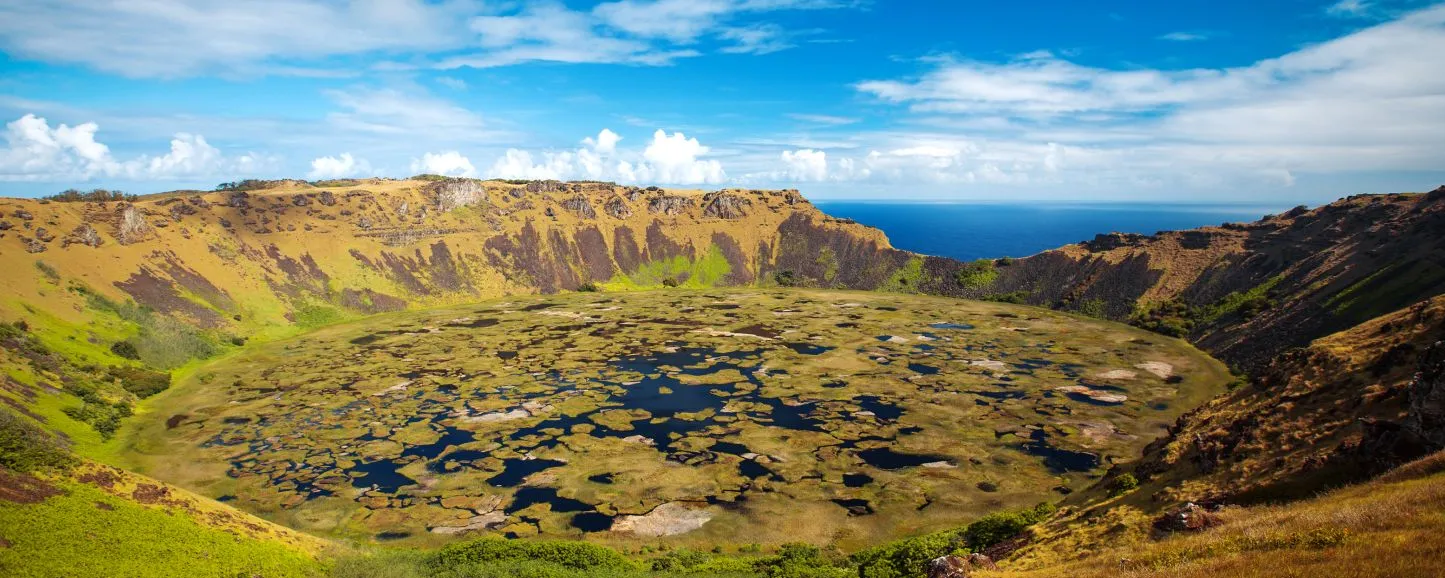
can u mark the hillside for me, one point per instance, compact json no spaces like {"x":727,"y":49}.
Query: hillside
{"x":1335,"y":312}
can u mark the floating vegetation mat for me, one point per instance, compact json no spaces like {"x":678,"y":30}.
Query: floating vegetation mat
{"x":736,"y":417}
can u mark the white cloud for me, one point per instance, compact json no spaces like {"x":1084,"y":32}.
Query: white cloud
{"x":805,"y":165}
{"x":452,"y":83}
{"x":674,"y":159}
{"x":1184,"y":36}
{"x":763,"y":38}
{"x":1350,"y":8}
{"x":1363,"y":102}
{"x":449,"y":163}
{"x":183,"y":37}
{"x":37,"y":152}
{"x":668,"y":159}
{"x":406,"y":110}
{"x":823,"y":119}
{"x":338,"y":167}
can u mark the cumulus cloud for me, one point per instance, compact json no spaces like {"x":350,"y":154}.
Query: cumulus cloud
{"x":338,"y":167}
{"x":671,"y":159}
{"x":805,"y":165}
{"x":37,"y":152}
{"x":449,"y":163}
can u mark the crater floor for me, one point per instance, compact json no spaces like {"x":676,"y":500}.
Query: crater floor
{"x":734,"y":417}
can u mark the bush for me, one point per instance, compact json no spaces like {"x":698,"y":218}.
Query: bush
{"x":94,"y":196}
{"x":125,"y":349}
{"x":140,"y":381}
{"x":589,"y":287}
{"x":1123,"y":484}
{"x":669,"y":282}
{"x":1000,"y":526}
{"x":25,"y":447}
{"x":977,"y":274}
{"x":48,"y":271}
{"x":574,"y":555}
{"x":788,"y":278}
{"x":1016,"y":297}
{"x":1092,"y":308}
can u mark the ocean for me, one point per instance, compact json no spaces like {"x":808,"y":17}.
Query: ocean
{"x":970,"y":231}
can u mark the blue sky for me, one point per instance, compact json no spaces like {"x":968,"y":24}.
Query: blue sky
{"x":1223,"y":101}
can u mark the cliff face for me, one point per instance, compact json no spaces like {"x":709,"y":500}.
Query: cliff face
{"x":247,"y":260}
{"x":1244,"y":292}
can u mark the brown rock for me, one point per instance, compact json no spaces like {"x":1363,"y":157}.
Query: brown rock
{"x":580,"y":207}
{"x":669,"y":205}
{"x":723,"y":205}
{"x":949,"y":567}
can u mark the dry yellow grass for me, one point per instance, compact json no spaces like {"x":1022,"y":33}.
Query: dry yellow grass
{"x":1394,"y":526}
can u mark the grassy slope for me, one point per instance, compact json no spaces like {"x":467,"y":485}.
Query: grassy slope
{"x":108,"y":522}
{"x":1388,"y":527}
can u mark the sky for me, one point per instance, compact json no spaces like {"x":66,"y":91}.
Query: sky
{"x":1229,"y":101}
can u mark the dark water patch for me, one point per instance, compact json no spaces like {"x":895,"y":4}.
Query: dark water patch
{"x":1011,"y":394}
{"x":807,"y":348}
{"x":881,"y":409}
{"x":530,"y":496}
{"x":539,"y":306}
{"x":1059,"y":460}
{"x":887,"y":459}
{"x":835,"y":384}
{"x":592,"y":522}
{"x":922,"y":369}
{"x":1032,"y":364}
{"x":474,"y":324}
{"x":1159,"y":406}
{"x":388,"y":536}
{"x":910,"y":430}
{"x":516,"y":470}
{"x":606,"y":478}
{"x":924,"y":347}
{"x":366,"y":339}
{"x":796,"y":417}
{"x":723,"y":306}
{"x":955,"y":326}
{"x":857,"y":480}
{"x":846,"y":325}
{"x":729,"y":448}
{"x":382,"y":474}
{"x":504,"y":355}
{"x":226,"y":498}
{"x":752,"y":469}
{"x":855,"y":507}
{"x":885,"y":308}
{"x":236,"y":420}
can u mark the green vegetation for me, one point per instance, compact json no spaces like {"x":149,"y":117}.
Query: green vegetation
{"x":1386,"y":290}
{"x":788,"y":278}
{"x":909,"y":557}
{"x":829,"y":262}
{"x":311,"y":316}
{"x":977,"y":274}
{"x":246,"y":185}
{"x":1123,"y":484}
{"x":25,"y":447}
{"x":1177,"y":318}
{"x":47,"y":271}
{"x":907,"y":278}
{"x":1016,"y":297}
{"x":1092,"y":308}
{"x":92,"y":196}
{"x":160,"y":341}
{"x":85,"y":531}
{"x":678,"y":271}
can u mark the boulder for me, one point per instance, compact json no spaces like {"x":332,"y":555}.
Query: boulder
{"x":949,"y":567}
{"x":1426,"y":417}
{"x":669,"y":205}
{"x":130,"y":224}
{"x":1190,"y":517}
{"x":617,"y":208}
{"x":723,"y":205}
{"x":453,"y":193}
{"x":579,"y":206}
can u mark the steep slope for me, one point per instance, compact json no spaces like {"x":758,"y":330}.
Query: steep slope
{"x":1244,"y":292}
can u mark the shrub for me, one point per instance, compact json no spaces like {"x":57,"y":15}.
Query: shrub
{"x":589,"y":287}
{"x":125,"y":349}
{"x":669,"y":282}
{"x":574,"y":555}
{"x":1092,"y":308}
{"x":26,"y":447}
{"x":1016,"y":297}
{"x":48,"y":271}
{"x":977,"y":274}
{"x":140,"y":381}
{"x":787,"y":278}
{"x":1123,"y":484}
{"x":94,"y":196}
{"x":1000,"y":526}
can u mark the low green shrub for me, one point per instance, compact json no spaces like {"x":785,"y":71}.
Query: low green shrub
{"x":1016,"y":297}
{"x":977,"y":274}
{"x":125,"y":349}
{"x":25,"y":447}
{"x":1123,"y":484}
{"x":574,"y":555}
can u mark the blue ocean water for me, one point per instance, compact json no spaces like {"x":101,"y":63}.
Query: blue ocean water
{"x":989,"y":230}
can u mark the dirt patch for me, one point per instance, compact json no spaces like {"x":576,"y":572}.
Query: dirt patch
{"x":1159,"y":368}
{"x":175,"y":420}
{"x":103,"y":478}
{"x":1118,"y":374}
{"x":24,"y":488}
{"x":669,"y":519}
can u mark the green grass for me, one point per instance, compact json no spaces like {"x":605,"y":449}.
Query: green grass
{"x":977,"y":275}
{"x":703,"y":273}
{"x":73,"y":535}
{"x":905,"y":279}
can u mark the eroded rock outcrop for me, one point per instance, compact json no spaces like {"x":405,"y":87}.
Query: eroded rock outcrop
{"x":579,"y":206}
{"x":131,"y":226}
{"x":453,"y":193}
{"x":724,"y":205}
{"x":669,"y":205}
